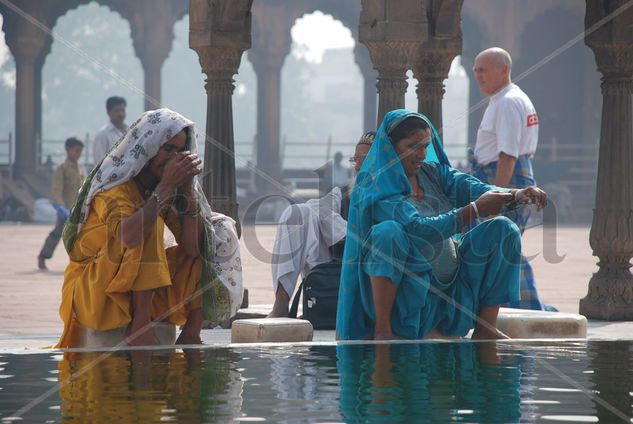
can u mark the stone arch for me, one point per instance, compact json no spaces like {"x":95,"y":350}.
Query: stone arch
{"x":83,"y":80}
{"x":330,"y":114}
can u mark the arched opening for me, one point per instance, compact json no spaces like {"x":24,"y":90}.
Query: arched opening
{"x":77,"y":81}
{"x":322,"y":93}
{"x":7,"y":94}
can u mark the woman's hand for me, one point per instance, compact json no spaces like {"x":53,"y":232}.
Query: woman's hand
{"x":531,"y":196}
{"x":180,"y":170}
{"x":491,"y":202}
{"x":193,"y":168}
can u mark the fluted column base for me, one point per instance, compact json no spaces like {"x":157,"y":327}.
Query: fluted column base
{"x":610,"y":295}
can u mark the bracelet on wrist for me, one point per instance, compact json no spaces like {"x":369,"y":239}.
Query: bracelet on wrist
{"x":159,"y":202}
{"x":474,"y":205}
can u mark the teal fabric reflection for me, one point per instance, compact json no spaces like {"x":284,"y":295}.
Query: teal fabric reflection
{"x":385,"y":231}
{"x":428,"y":383}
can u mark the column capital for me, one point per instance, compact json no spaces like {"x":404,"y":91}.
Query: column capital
{"x":219,"y":60}
{"x":26,"y":42}
{"x":220,"y":33}
{"x":392,"y":56}
{"x":614,"y":60}
{"x":272,"y":23}
{"x":433,"y":58}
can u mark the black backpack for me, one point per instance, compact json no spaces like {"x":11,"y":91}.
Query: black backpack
{"x":320,"y":295}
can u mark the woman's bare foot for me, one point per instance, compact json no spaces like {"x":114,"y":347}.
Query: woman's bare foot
{"x":187,"y":338}
{"x":190,"y":333}
{"x":484,"y":333}
{"x":141,"y":335}
{"x":383,"y":335}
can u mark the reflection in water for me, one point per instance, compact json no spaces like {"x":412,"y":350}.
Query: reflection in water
{"x":145,"y":386}
{"x":428,"y":383}
{"x":613,"y":380}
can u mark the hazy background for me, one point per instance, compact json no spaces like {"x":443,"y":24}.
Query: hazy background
{"x":322,"y":88}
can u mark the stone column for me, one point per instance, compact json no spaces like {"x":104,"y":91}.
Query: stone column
{"x":220,"y":64}
{"x":391,"y":60}
{"x":29,"y":46}
{"x":271,"y":44}
{"x":361,"y":55}
{"x":610,"y":295}
{"x":431,"y":69}
{"x":392,"y":35}
{"x":152,"y":27}
{"x":220,"y":35}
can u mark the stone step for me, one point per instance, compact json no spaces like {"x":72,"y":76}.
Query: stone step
{"x":526,"y":324}
{"x":278,"y":330}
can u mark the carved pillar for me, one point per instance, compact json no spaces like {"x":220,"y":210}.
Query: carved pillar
{"x":610,"y":295}
{"x":29,"y":46}
{"x":431,"y":69}
{"x":392,"y":34}
{"x":220,"y":33}
{"x":271,"y":45}
{"x":391,"y":60}
{"x":361,"y":55}
{"x":434,"y":58}
{"x":152,"y":27}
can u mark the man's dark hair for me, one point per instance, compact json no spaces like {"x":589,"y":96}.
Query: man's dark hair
{"x":114,"y":101}
{"x":407,"y":127}
{"x":73,"y":142}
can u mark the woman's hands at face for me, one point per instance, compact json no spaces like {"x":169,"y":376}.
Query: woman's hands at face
{"x":491,"y":202}
{"x":181,"y":169}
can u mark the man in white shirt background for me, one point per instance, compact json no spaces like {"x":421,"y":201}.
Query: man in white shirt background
{"x":112,"y":131}
{"x":506,"y":141}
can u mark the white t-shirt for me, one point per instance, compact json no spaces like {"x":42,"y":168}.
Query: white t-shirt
{"x":509,"y":125}
{"x":104,"y":140}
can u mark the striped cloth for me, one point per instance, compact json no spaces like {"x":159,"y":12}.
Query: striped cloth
{"x":522,"y":177}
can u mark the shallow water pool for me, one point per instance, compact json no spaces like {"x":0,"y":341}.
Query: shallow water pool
{"x":413,"y":383}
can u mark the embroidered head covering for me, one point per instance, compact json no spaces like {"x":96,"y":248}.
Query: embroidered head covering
{"x":124,"y":161}
{"x":381,"y":177}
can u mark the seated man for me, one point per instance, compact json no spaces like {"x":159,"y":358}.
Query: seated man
{"x":120,"y":273}
{"x":309,"y":232}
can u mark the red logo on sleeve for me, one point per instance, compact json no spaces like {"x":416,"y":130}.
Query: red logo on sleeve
{"x":532,"y":120}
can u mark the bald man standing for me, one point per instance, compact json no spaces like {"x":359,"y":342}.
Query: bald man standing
{"x":506,"y":141}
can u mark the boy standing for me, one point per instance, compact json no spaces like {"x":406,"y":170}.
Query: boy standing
{"x":67,"y":180}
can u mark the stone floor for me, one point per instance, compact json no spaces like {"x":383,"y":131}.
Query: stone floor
{"x":562,"y":262}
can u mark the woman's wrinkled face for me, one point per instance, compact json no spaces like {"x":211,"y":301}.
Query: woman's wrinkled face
{"x":359,"y":155}
{"x":412,"y":151}
{"x":166,"y":152}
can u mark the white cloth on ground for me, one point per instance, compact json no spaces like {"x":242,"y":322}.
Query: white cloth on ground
{"x":304,"y":235}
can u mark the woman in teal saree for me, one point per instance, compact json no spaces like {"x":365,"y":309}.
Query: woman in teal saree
{"x":404,"y":273}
